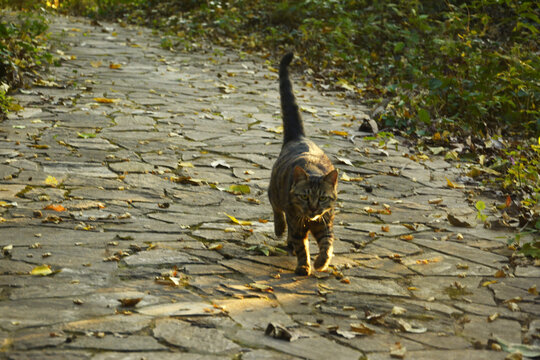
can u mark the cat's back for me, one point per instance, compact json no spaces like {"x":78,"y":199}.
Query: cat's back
{"x":305,"y":153}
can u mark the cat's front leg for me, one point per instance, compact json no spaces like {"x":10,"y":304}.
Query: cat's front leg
{"x":298,"y":238}
{"x":324,"y":235}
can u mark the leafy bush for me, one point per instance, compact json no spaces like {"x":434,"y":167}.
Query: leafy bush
{"x":21,"y":53}
{"x":467,"y":66}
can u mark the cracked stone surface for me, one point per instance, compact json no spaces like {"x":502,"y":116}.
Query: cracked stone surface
{"x":127,"y":200}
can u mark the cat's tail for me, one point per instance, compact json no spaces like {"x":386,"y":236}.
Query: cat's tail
{"x":293,"y":127}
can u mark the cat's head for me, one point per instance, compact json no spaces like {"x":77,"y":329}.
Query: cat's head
{"x":313,"y":196}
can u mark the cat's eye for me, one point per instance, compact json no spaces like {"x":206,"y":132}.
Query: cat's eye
{"x":303,"y":196}
{"x":323,"y":198}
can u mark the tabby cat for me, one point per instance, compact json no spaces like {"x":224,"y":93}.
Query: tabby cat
{"x":303,"y":185}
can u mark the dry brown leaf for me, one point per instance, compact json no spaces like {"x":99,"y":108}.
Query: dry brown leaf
{"x":129,"y":302}
{"x":362,"y":329}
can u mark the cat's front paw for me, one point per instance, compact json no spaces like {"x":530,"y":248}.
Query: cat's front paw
{"x":304,"y":270}
{"x":322,"y":261}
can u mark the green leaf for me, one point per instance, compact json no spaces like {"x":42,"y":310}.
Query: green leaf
{"x":239,"y":189}
{"x":480,"y":205}
{"x":423,"y":116}
{"x":86,"y":135}
{"x":399,"y":46}
{"x":531,"y":249}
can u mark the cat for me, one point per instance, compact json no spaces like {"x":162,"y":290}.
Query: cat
{"x":303,"y":185}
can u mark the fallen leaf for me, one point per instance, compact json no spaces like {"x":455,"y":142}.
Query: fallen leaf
{"x":407,"y":237}
{"x":436,"y":201}
{"x":239,"y":189}
{"x":500,"y":274}
{"x":308,"y":109}
{"x":397,"y":310}
{"x":386,"y":228}
{"x":55,"y":207}
{"x":362,"y":329}
{"x":215,"y":246}
{"x":42,"y":270}
{"x":345,"y":177}
{"x":86,"y":135}
{"x":344,"y":333}
{"x":280,"y":332}
{"x":105,"y":100}
{"x":405,"y":326}
{"x":532,"y":290}
{"x":493,"y":317}
{"x":260,"y":287}
{"x":186,"y":180}
{"x":513,"y":306}
{"x":398,"y":351}
{"x":238,"y":222}
{"x":115,"y":66}
{"x":129,"y":302}
{"x":8,"y":204}
{"x":185,"y":164}
{"x":222,"y":163}
{"x":345,"y":161}
{"x":452,"y":185}
{"x":96,"y":64}
{"x":340,"y":133}
{"x":486,"y":283}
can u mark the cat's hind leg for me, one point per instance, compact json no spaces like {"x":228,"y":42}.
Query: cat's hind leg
{"x":279,"y":222}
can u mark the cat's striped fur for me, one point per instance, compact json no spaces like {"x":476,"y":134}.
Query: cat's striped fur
{"x":303,"y":185}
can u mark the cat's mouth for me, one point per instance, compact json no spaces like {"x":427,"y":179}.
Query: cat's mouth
{"x":319,"y":216}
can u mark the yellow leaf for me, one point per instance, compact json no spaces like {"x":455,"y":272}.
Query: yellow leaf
{"x":340,"y":133}
{"x":105,"y":100}
{"x":277,"y":130}
{"x":407,"y":237}
{"x":215,"y":247}
{"x":185,"y":164}
{"x":308,"y":109}
{"x":51,"y":181}
{"x":486,"y":283}
{"x":42,"y":270}
{"x":452,"y":185}
{"x":238,"y":222}
{"x":115,"y":66}
{"x":96,"y":64}
{"x":345,"y":177}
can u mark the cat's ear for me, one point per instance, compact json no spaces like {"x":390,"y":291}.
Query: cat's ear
{"x":331,"y":177}
{"x":299,"y":174}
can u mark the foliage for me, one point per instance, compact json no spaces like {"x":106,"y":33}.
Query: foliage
{"x":21,"y":53}
{"x":480,"y":207}
{"x":471,"y":67}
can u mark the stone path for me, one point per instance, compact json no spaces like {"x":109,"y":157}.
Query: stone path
{"x":119,"y":175}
